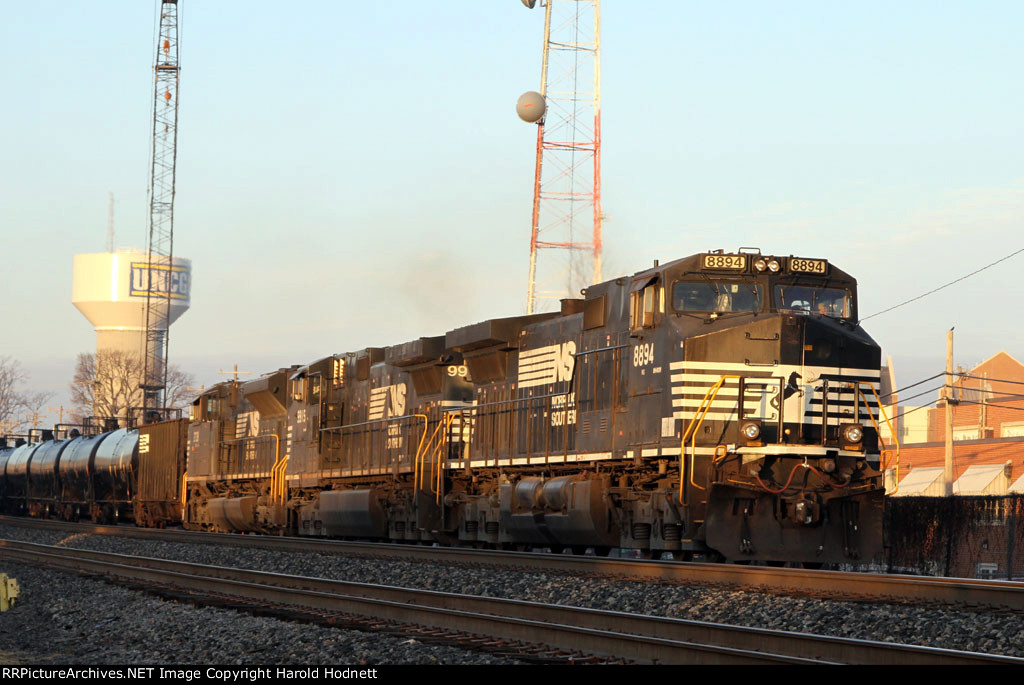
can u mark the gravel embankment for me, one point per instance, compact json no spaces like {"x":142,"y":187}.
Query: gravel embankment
{"x":980,"y":631}
{"x":62,"y":619}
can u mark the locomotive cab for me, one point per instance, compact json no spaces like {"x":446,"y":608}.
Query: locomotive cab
{"x":775,"y":413}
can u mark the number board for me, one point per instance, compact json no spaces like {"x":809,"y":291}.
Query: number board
{"x":724,"y":261}
{"x":808,"y":266}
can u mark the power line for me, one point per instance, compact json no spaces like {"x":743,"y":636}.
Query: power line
{"x":964,"y":390}
{"x":983,"y":378}
{"x":938,"y":387}
{"x":993,"y":404}
{"x":941,"y":287}
{"x":915,"y":385}
{"x":911,"y":411}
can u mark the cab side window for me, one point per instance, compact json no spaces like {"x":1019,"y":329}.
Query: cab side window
{"x":642,"y":305}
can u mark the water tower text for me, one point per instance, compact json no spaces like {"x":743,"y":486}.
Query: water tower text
{"x":162,"y":280}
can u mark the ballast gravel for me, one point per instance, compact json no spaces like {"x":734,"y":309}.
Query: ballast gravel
{"x":121,"y":626}
{"x":62,"y":619}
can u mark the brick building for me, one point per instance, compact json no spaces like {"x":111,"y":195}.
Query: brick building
{"x":979,"y":533}
{"x":988,"y":436}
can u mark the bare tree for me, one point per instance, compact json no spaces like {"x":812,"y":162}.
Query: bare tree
{"x":15,"y":401}
{"x":106,"y":384}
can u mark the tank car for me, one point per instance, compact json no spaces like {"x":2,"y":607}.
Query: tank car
{"x":43,"y":484}
{"x":7,"y":447}
{"x":16,"y":477}
{"x":724,"y":404}
{"x":123,"y":474}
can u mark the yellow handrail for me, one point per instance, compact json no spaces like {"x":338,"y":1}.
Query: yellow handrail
{"x":878,"y":431}
{"x":432,"y":451}
{"x":449,"y":419}
{"x":419,"y":450}
{"x":423,"y":451}
{"x":184,"y":495}
{"x":691,"y":432}
{"x":277,"y":489}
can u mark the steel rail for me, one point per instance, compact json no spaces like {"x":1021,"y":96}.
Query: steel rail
{"x":448,"y":612}
{"x":619,"y":635}
{"x":969,"y":592}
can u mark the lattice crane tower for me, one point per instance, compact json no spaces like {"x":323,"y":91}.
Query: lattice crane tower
{"x":161,"y":269}
{"x":567,"y":178}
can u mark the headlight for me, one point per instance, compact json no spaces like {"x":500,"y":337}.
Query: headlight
{"x":751,"y":430}
{"x":773,"y":266}
{"x":760,"y":265}
{"x":853,"y":434}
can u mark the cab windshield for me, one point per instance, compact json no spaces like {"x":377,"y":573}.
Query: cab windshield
{"x":716,"y":296}
{"x":834,"y":302}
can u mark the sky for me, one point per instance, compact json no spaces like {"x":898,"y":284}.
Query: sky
{"x":354,"y":174}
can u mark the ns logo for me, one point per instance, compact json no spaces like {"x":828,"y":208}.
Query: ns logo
{"x":546,"y":365}
{"x":387,"y":401}
{"x":566,"y":360}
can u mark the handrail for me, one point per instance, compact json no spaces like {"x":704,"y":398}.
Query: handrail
{"x":372,"y":421}
{"x":423,"y":450}
{"x":275,"y":472}
{"x":254,"y":438}
{"x":184,"y":495}
{"x":273,"y":482}
{"x":504,"y":419}
{"x":709,"y":397}
{"x":378,"y":430}
{"x":278,"y":482}
{"x":436,"y":457}
{"x":878,"y":431}
{"x":691,"y":432}
{"x":419,"y":448}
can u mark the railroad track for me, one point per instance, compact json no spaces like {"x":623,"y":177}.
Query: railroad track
{"x":962,"y":592}
{"x":532,"y":627}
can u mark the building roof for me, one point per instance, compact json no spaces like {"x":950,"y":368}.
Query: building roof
{"x":919,"y":480}
{"x":1000,"y":374}
{"x":995,"y":356}
{"x":980,"y":479}
{"x":1018,"y":486}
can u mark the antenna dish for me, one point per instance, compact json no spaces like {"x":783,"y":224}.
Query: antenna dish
{"x":531,"y":106}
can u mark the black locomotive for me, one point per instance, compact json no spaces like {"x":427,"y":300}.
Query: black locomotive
{"x":724,"y":404}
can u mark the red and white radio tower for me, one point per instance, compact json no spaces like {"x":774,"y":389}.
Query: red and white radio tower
{"x":567,"y":182}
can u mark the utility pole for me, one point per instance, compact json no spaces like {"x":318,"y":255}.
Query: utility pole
{"x":235,"y":373}
{"x":35,"y":418}
{"x":60,"y":414}
{"x":948,"y":391}
{"x":983,"y":421}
